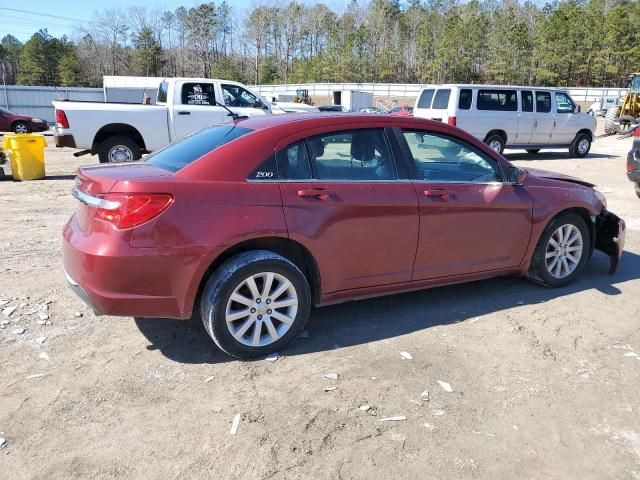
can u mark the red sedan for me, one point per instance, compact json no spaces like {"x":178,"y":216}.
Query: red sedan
{"x":18,"y":123}
{"x":254,"y":222}
{"x":405,"y":111}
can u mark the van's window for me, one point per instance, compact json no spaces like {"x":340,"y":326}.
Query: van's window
{"x":178,"y":155}
{"x":501,"y":100}
{"x":464,"y":102}
{"x":527,"y":101}
{"x":358,"y":155}
{"x":198,"y":94}
{"x":564,"y":104}
{"x":293,"y":162}
{"x":267,"y":170}
{"x":543,"y":102}
{"x":439,"y":158}
{"x":162,"y":92}
{"x":425,"y":98}
{"x":236,"y":96}
{"x":441,"y":100}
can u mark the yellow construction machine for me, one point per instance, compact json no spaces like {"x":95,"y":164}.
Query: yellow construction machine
{"x":624,"y":118}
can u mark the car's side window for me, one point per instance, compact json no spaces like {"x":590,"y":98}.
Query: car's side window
{"x":440,"y":158}
{"x":236,"y":96}
{"x":564,"y":104}
{"x":543,"y":102}
{"x":198,"y":94}
{"x":527,"y":101}
{"x":356,"y":155}
{"x":293,"y":162}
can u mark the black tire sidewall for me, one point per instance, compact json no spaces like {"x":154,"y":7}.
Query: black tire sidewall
{"x":109,"y":143}
{"x":220,"y":287}
{"x":637,"y":188}
{"x":538,"y":263}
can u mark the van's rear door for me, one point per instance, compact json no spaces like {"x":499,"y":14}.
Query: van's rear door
{"x":440,"y":105}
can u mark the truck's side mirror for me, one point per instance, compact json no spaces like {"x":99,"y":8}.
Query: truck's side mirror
{"x":577,"y":109}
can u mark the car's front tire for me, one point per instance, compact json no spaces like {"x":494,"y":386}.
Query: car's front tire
{"x":255,"y":304}
{"x":580,"y":146}
{"x":562,"y":251}
{"x":21,"y":127}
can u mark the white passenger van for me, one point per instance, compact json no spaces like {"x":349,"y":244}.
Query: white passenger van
{"x":513,"y":117}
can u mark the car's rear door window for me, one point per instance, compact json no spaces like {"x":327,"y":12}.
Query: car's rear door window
{"x":178,"y":155}
{"x":440,"y":158}
{"x":441,"y":99}
{"x":293,"y":162}
{"x":201,"y":93}
{"x":543,"y":102}
{"x":500,"y":100}
{"x":425,"y":98}
{"x":527,"y":101}
{"x":464,"y":102}
{"x":353,"y":155}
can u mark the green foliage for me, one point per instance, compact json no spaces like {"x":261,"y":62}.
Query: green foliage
{"x":565,"y":43}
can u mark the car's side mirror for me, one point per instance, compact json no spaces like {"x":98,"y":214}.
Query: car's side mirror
{"x":516,"y":176}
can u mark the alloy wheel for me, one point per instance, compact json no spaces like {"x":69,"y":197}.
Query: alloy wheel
{"x":564,"y":251}
{"x":261,"y":309}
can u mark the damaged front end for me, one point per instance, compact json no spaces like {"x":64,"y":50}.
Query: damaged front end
{"x":610,"y":235}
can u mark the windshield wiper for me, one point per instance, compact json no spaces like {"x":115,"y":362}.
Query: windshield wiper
{"x":232,"y":114}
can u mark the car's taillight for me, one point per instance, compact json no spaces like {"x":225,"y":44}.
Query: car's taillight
{"x":630,"y":167}
{"x":61,"y":119}
{"x":128,"y":210}
{"x":636,"y":132}
{"x":451,"y":121}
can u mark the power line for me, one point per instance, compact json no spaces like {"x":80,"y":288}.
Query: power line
{"x":71,"y":19}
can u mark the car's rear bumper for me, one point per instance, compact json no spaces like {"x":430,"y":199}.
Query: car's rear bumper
{"x":610,"y":237}
{"x":114,"y":278}
{"x":65,"y":140}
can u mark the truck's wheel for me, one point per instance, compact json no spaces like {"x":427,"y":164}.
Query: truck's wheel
{"x":580,"y":145}
{"x":119,"y":149}
{"x":609,"y":120}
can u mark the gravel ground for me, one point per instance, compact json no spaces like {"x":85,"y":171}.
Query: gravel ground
{"x":544,"y":383}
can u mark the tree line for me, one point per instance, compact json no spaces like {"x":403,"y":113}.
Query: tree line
{"x":564,"y":43}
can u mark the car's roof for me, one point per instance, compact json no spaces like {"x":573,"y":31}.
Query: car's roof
{"x":311,"y":120}
{"x":481,"y":85}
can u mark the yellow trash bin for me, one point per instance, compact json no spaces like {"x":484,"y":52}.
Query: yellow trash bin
{"x":26,"y":152}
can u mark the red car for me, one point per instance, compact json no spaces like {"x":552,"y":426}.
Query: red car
{"x":17,"y":123}
{"x":405,"y":111}
{"x":252,"y":223}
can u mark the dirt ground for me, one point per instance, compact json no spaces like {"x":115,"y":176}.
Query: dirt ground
{"x":544,"y":383}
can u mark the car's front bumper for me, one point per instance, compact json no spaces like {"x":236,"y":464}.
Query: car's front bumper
{"x":610,"y":237}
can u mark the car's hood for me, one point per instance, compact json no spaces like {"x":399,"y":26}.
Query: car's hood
{"x":558,"y":176}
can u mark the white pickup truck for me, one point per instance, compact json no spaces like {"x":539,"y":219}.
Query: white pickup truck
{"x":120,"y":132}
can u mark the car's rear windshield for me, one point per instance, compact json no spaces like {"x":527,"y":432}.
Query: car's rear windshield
{"x":185,"y":151}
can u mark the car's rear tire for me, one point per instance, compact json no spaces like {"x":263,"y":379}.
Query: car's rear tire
{"x":495,"y":142}
{"x":580,"y":146}
{"x":239,"y":305}
{"x":562,"y":251}
{"x":119,"y":149}
{"x":21,"y":127}
{"x":638,"y":189}
{"x":533,"y":150}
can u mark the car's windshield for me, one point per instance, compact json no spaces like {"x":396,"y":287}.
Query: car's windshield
{"x":178,"y":155}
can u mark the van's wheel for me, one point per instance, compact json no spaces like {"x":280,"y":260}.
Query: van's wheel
{"x":533,"y":150}
{"x":580,"y":145}
{"x":495,"y":142}
{"x":255,"y":303}
{"x":119,"y":149}
{"x":21,"y":127}
{"x":562,"y":251}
